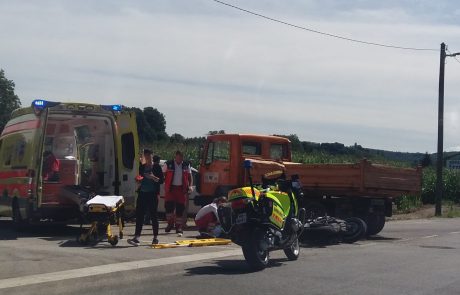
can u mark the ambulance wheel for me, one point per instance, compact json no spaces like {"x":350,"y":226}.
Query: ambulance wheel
{"x":113,"y":240}
{"x":19,"y":222}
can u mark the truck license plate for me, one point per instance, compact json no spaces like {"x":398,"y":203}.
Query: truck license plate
{"x":241,"y":218}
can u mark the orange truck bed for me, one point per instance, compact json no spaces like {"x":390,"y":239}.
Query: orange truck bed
{"x":362,"y":179}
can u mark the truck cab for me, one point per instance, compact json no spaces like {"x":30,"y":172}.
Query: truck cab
{"x":221,"y":166}
{"x":51,"y":149}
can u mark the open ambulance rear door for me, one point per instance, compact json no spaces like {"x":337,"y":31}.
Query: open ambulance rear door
{"x":127,"y":161}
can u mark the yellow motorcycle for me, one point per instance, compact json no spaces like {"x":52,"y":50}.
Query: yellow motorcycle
{"x":261,"y":220}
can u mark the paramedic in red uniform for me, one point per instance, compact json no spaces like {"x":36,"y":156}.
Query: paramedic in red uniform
{"x":178,"y":182}
{"x":51,"y":167}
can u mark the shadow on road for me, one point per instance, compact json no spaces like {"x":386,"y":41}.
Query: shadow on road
{"x":100,"y":245}
{"x":324,"y":242}
{"x":229,"y":267}
{"x":51,"y":232}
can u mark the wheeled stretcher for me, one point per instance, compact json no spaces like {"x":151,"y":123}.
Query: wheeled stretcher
{"x":102,"y":212}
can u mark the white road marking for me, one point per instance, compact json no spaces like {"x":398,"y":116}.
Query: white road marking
{"x":428,"y":237}
{"x":110,"y":268}
{"x":455,"y":232}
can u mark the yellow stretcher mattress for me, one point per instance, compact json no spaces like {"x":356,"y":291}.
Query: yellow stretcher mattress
{"x":193,"y":243}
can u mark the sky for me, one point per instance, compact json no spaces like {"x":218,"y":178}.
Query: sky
{"x":207,"y":66}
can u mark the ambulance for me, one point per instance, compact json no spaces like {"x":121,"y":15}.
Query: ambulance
{"x":52,"y":149}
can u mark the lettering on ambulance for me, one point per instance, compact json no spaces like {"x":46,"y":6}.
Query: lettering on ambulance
{"x":14,"y":184}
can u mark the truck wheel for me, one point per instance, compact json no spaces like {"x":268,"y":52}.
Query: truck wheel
{"x":356,"y":230}
{"x":375,"y":223}
{"x":292,"y":252}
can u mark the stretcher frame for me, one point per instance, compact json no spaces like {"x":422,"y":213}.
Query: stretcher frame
{"x":101,"y":218}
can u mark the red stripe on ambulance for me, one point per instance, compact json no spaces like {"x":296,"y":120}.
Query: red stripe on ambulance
{"x":32,"y":124}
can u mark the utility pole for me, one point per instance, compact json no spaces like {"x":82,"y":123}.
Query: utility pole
{"x":439,"y":158}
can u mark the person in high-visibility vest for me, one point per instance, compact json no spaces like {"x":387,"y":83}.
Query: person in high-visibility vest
{"x":178,"y":182}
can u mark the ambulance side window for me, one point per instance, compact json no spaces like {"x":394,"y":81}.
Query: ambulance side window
{"x":127,"y":150}
{"x":7,"y":154}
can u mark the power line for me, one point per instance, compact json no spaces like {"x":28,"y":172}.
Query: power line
{"x":324,"y":33}
{"x":454,"y":56}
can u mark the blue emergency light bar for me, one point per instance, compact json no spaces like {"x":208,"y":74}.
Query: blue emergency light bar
{"x":117,"y":108}
{"x":40,"y":104}
{"x":113,"y":107}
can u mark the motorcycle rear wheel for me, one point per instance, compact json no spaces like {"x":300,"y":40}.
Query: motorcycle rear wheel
{"x":255,"y":256}
{"x":293,"y":251}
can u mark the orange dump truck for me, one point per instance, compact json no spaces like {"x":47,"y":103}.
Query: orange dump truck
{"x":361,"y":189}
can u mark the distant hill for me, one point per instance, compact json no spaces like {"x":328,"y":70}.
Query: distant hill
{"x":355,"y":150}
{"x":413,"y":158}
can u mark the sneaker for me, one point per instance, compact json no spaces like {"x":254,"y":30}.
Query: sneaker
{"x":179,"y":232}
{"x":135,"y":242}
{"x":154,"y":241}
{"x":168,"y":228}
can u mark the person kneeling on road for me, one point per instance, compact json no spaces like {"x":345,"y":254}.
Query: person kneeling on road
{"x":207,"y":219}
{"x":150,"y":178}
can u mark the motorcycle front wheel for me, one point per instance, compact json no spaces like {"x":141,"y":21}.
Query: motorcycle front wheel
{"x":292,"y":252}
{"x":253,"y":252}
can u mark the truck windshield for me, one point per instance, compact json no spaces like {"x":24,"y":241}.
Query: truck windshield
{"x":278,"y":151}
{"x":218,"y":151}
{"x":252,"y":148}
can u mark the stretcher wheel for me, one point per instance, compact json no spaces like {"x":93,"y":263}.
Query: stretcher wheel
{"x":113,"y":240}
{"x":83,"y":239}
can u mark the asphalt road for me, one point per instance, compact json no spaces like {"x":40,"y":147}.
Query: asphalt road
{"x":408,"y":257}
